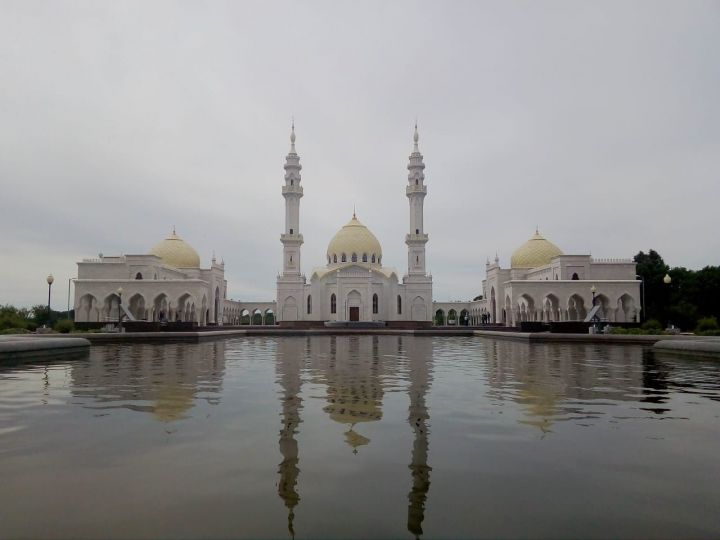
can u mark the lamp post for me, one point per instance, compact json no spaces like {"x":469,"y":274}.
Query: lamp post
{"x":667,"y":280}
{"x":593,"y":290}
{"x":49,"y":280}
{"x":642,"y":298}
{"x":119,"y":293}
{"x":68,"y":303}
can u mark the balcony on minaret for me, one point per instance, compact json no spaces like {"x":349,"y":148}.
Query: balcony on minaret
{"x":294,"y":238}
{"x":294,"y":189}
{"x":412,"y":189}
{"x":416,"y":238}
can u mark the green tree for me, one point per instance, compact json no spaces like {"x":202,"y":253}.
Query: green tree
{"x":652,"y":268}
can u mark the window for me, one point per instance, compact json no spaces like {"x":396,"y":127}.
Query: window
{"x":375,"y":303}
{"x":335,"y":258}
{"x":373,"y":258}
{"x":290,"y":258}
{"x":328,"y":259}
{"x":417,"y":231}
{"x":138,"y":276}
{"x":292,"y":182}
{"x":333,"y":304}
{"x":399,"y":305}
{"x":417,"y":259}
{"x":416,"y":182}
{"x":379,"y":260}
{"x":291,"y":231}
{"x":364,"y":257}
{"x":309,"y":304}
{"x":343,"y":258}
{"x":575,"y":276}
{"x":354,"y":257}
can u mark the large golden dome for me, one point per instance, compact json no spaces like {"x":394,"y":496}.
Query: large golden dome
{"x":174,"y":251}
{"x":354,"y":239}
{"x":535,"y":252}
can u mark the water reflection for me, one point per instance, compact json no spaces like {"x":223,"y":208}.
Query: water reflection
{"x":523,"y":436}
{"x":356,"y":373}
{"x":163,"y":380}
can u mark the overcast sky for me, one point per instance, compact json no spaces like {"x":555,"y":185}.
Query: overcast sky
{"x":597,"y":121}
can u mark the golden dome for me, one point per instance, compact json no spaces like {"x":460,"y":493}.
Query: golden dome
{"x":535,"y":252}
{"x":174,"y":251}
{"x":354,"y":238}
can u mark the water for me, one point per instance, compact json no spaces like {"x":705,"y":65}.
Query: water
{"x":361,"y":437}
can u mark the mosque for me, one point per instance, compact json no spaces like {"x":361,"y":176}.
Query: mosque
{"x":542,"y":284}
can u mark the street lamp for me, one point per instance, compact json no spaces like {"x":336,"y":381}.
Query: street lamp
{"x":119,"y":293}
{"x":593,"y":290}
{"x":667,"y":280}
{"x":49,"y":280}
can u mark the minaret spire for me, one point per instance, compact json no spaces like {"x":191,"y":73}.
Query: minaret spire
{"x":292,"y":192}
{"x":416,"y":192}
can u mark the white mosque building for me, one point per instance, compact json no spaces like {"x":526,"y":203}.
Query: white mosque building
{"x":542,"y":283}
{"x":354,"y":286}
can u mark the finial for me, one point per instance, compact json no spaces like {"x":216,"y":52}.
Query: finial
{"x":213,"y":257}
{"x":354,"y":217}
{"x":537,"y":229}
{"x":416,"y":138}
{"x":173,"y":230}
{"x":292,"y":137}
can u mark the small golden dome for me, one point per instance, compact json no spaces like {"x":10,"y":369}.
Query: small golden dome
{"x":535,"y":252}
{"x":174,"y":251}
{"x":354,"y":238}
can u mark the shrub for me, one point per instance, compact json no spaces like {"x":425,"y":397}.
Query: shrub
{"x":652,"y":324}
{"x":709,"y":333}
{"x":707,"y":324}
{"x":64,"y":326}
{"x":6,"y":331}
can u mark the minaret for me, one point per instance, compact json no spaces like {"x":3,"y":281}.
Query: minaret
{"x":416,"y":191}
{"x":293,"y":192}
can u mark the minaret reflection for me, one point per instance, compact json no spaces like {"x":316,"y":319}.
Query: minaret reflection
{"x":289,"y":366}
{"x":419,"y":355}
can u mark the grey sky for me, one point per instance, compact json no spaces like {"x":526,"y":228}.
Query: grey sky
{"x":597,"y":121}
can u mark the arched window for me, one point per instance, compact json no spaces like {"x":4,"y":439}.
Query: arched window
{"x":399,"y":306}
{"x":328,"y":259}
{"x":416,"y":182}
{"x":364,"y":257}
{"x":138,"y":276}
{"x":575,"y":276}
{"x":375,"y":303}
{"x":333,"y":303}
{"x":379,"y":260}
{"x":373,"y":258}
{"x":292,"y":182}
{"x":354,"y":257}
{"x":417,"y":231}
{"x":335,"y":258}
{"x":291,"y":231}
{"x":309,"y":306}
{"x":343,"y":258}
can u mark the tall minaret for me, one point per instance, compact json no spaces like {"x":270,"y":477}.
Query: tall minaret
{"x":416,"y":191}
{"x":292,"y":191}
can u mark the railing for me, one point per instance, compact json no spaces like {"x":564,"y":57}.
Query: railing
{"x":612,"y":261}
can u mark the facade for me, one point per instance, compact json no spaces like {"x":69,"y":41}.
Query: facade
{"x":543,"y":284}
{"x":354,"y":285}
{"x":165,"y":285}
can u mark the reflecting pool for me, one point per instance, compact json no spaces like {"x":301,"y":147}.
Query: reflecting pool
{"x":361,"y":437}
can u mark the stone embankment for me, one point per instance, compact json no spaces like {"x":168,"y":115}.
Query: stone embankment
{"x":23,"y":348}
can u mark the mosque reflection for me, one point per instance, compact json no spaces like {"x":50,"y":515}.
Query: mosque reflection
{"x":356,"y":372}
{"x":544,"y":385}
{"x":164,"y":381}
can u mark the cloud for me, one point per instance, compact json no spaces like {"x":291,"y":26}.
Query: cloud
{"x":597,"y":122}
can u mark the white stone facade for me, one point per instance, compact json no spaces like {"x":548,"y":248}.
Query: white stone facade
{"x":354,"y":286}
{"x":152,"y":290}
